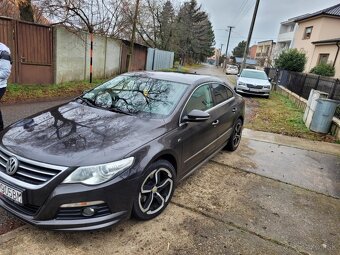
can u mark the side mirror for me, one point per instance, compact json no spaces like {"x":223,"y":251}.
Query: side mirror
{"x":269,"y":79}
{"x":238,"y":75}
{"x":196,"y":116}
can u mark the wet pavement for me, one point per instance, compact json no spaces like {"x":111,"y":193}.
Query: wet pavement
{"x":18,"y":111}
{"x":274,"y":195}
{"x":304,"y":168}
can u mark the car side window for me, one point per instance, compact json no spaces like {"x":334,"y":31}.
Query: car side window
{"x":221,"y":93}
{"x":201,"y":99}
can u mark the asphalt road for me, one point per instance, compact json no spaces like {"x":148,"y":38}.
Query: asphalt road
{"x":14,"y":112}
{"x":274,"y":195}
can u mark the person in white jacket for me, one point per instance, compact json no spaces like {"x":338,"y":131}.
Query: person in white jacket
{"x":5,"y":71}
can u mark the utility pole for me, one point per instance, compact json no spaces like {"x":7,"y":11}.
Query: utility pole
{"x":226,"y":50}
{"x":249,"y":35}
{"x":133,"y":36}
{"x":219,"y":56}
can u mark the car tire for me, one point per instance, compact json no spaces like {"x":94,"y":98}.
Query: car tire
{"x":235,"y":138}
{"x":154,"y":191}
{"x":266,"y":97}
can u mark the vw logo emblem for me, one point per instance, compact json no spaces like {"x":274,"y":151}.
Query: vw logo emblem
{"x":12,"y":166}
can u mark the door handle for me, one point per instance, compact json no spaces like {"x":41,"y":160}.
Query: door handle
{"x":215,"y":123}
{"x":234,"y":109}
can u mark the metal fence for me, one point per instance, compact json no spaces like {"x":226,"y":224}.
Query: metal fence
{"x":301,"y":84}
{"x":159,"y":59}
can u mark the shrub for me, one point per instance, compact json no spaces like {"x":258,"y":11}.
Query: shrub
{"x":291,"y":60}
{"x":323,"y":69}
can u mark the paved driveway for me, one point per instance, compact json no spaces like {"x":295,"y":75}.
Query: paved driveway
{"x":274,"y":195}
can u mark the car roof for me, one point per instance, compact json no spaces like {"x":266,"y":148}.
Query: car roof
{"x":186,"y":78}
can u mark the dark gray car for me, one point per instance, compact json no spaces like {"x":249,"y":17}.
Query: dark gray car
{"x":117,"y":150}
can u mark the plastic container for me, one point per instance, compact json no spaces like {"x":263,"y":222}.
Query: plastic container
{"x":311,"y":105}
{"x":323,"y":115}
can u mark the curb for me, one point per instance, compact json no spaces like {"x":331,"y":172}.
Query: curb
{"x":294,"y":142}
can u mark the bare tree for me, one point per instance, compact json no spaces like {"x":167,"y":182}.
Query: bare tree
{"x":95,"y":16}
{"x":21,"y":9}
{"x":9,"y":9}
{"x":26,"y":10}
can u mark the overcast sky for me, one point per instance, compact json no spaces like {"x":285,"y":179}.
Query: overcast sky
{"x":238,"y":13}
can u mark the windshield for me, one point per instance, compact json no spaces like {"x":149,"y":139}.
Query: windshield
{"x":254,"y":74}
{"x":137,"y":95}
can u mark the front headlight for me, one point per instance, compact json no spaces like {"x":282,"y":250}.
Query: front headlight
{"x":93,"y":175}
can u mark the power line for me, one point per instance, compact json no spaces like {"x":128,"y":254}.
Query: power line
{"x":245,"y":14}
{"x":250,"y":34}
{"x":242,"y":11}
{"x":237,"y":14}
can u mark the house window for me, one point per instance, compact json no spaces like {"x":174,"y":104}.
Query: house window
{"x":323,"y":58}
{"x":308,"y":32}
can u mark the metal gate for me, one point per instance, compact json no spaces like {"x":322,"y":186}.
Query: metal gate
{"x":35,"y":57}
{"x":32,"y":51}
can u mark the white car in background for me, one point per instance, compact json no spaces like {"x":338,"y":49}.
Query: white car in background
{"x":231,"y":69}
{"x":253,"y":82}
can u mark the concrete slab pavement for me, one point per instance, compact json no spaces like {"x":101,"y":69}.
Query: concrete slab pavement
{"x":289,"y":216}
{"x":177,"y":231}
{"x":313,"y":170}
{"x":222,"y":209}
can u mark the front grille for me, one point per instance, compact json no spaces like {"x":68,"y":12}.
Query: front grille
{"x":29,"y":171}
{"x":25,"y":209}
{"x":251,"y":86}
{"x":75,"y":213}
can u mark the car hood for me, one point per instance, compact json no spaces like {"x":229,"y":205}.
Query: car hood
{"x":253,"y":81}
{"x":74,"y":134}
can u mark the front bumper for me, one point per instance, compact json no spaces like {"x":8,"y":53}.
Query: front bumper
{"x":246,"y":90}
{"x":117,"y":195}
{"x":68,"y":225}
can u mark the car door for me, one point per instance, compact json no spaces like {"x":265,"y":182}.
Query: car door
{"x":198,"y":137}
{"x":225,"y":107}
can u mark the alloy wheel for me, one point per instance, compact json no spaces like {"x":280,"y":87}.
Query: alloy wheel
{"x":237,"y":134}
{"x":155,"y":191}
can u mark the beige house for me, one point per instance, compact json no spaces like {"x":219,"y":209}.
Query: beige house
{"x":264,"y":53}
{"x":318,"y":35}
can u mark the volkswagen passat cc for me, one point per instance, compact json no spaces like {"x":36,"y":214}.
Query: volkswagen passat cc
{"x":253,"y":82}
{"x":117,"y":150}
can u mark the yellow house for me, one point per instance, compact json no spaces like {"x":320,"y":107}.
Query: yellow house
{"x":318,"y":35}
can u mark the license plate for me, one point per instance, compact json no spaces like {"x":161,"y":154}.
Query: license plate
{"x":256,"y":90}
{"x":10,"y":193}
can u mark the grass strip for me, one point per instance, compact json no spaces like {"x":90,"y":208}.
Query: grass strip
{"x":279,"y":114}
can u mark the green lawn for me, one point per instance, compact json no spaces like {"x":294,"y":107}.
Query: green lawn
{"x":279,"y":114}
{"x":27,"y":93}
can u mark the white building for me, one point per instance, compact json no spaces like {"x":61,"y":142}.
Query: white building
{"x":285,"y":39}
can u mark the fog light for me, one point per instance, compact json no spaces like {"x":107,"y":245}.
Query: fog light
{"x":88,"y":211}
{"x":82,"y":204}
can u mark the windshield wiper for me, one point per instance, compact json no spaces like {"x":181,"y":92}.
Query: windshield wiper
{"x":113,"y":109}
{"x":87,"y":101}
